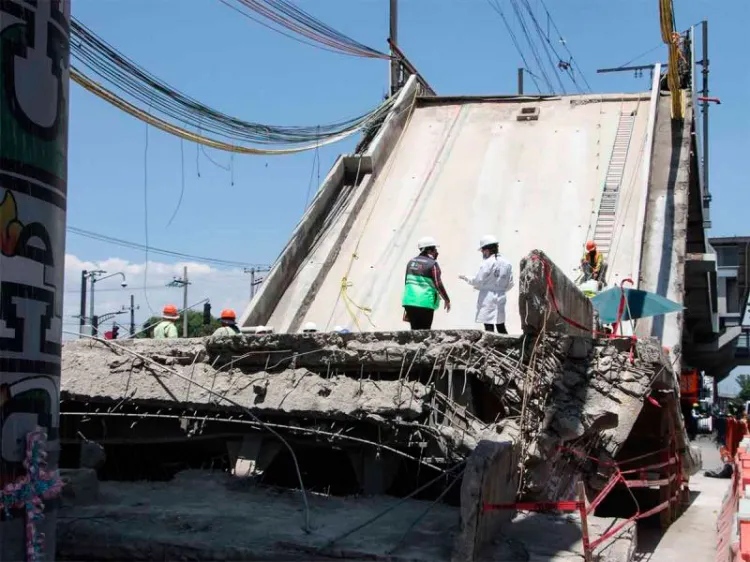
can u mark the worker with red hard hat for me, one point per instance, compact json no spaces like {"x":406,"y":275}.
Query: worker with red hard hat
{"x":228,"y":324}
{"x":592,"y":260}
{"x":166,"y":329}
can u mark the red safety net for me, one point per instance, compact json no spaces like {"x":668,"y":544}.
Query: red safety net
{"x":622,"y":472}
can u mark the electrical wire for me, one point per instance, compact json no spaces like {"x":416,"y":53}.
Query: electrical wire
{"x":643,"y":54}
{"x":532,"y":46}
{"x":494,"y":4}
{"x":182,"y":182}
{"x":546,"y":45}
{"x":368,"y":120}
{"x":145,"y":217}
{"x":289,"y":16}
{"x":161,"y":251}
{"x":564,"y":43}
{"x":129,"y":86}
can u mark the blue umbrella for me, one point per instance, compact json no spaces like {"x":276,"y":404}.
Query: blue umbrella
{"x":636,"y":304}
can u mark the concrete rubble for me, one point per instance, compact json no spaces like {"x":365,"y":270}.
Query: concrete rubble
{"x":445,"y":420}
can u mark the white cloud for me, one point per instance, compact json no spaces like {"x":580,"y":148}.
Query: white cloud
{"x":226,"y":288}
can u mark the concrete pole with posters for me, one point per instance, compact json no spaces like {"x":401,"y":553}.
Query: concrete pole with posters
{"x":34,"y":79}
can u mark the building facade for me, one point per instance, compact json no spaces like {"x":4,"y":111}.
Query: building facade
{"x":732,"y":263}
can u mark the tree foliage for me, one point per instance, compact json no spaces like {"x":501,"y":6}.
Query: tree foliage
{"x":744,"y":383}
{"x":196,"y":327}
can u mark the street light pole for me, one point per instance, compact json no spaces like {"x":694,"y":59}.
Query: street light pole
{"x":93,"y":276}
{"x":92,"y":280}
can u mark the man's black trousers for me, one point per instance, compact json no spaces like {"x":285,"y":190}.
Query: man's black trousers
{"x":419,"y":318}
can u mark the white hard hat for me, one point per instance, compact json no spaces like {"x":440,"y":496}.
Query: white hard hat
{"x":337,"y":328}
{"x":487,"y":240}
{"x":426,"y":242}
{"x":310,"y":327}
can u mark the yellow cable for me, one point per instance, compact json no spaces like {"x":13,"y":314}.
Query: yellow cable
{"x":345,"y":283}
{"x":671,"y":38}
{"x":127,"y":107}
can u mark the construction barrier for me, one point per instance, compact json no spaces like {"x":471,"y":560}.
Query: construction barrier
{"x":733,"y":525}
{"x":669,"y":478}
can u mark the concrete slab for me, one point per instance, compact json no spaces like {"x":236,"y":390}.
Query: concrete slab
{"x":463,"y":169}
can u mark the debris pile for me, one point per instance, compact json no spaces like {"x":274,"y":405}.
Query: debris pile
{"x":398,"y":409}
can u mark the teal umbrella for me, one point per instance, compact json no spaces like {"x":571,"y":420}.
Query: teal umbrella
{"x":630,"y":304}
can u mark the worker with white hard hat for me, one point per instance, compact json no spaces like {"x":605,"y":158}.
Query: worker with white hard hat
{"x":423,"y":286}
{"x":493,"y":280}
{"x":309,"y":328}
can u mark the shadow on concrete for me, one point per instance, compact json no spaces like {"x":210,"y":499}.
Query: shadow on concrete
{"x":542,"y":537}
{"x":665,"y":266}
{"x":650,"y":534}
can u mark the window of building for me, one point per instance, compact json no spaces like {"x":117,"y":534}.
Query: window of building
{"x":733,"y":296}
{"x":727,"y":256}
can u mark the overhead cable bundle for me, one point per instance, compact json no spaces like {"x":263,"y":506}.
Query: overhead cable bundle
{"x":135,"y":90}
{"x":287,"y":15}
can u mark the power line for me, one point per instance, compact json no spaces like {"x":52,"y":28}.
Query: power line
{"x":564,"y":43}
{"x":161,"y":251}
{"x":532,"y":46}
{"x":289,"y":16}
{"x":496,"y":6}
{"x":547,"y":46}
{"x":179,"y":111}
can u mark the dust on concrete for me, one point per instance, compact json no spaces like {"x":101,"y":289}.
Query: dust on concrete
{"x":210,"y":516}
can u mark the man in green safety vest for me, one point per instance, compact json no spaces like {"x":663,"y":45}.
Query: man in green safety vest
{"x":423,"y":287}
{"x":166,"y":328}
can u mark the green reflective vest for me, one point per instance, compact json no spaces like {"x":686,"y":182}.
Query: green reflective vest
{"x":420,"y":289}
{"x":165,"y":329}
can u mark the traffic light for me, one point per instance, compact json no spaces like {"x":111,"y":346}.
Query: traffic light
{"x":207,"y":313}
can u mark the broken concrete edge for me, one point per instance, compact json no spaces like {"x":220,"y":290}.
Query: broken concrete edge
{"x":585,"y":393}
{"x":536,"y":301}
{"x":490,"y":477}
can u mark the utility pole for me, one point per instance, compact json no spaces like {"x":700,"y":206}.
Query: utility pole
{"x":393,"y":36}
{"x":705,"y":108}
{"x":252,"y":283}
{"x":520,"y":81}
{"x":185,"y":303}
{"x":84,"y":273}
{"x":255,"y":281}
{"x":132,"y":308}
{"x":183,"y":282}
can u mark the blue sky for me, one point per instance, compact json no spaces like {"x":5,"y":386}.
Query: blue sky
{"x":210,"y":52}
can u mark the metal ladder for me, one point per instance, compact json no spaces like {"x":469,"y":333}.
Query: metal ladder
{"x":605,"y":221}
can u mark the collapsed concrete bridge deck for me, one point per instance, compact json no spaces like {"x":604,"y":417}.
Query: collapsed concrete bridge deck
{"x":458,"y":418}
{"x":447,"y":420}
